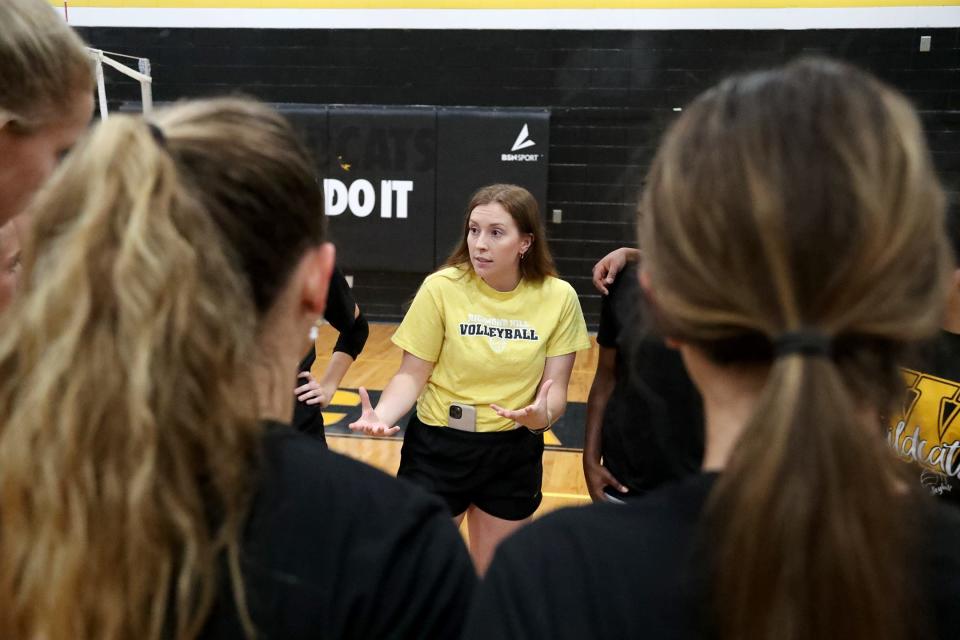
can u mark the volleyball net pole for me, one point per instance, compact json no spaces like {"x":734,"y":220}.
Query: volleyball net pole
{"x":141,"y":74}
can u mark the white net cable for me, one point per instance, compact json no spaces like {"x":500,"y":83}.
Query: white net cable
{"x":141,"y":75}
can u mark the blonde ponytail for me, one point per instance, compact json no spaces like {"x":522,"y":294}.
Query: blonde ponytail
{"x":127,"y":430}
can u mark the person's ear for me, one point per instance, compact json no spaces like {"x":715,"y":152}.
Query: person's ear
{"x":318,"y":267}
{"x":526,"y":242}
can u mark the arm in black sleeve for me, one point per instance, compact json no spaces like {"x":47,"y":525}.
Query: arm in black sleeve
{"x":609,"y":329}
{"x":341,"y":308}
{"x":345,"y":316}
{"x":352,"y":340}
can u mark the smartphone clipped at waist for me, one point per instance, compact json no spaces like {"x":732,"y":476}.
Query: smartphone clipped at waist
{"x":462,"y":417}
{"x":611,"y":495}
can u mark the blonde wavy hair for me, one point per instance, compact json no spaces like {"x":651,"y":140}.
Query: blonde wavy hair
{"x":42,"y":62}
{"x":129,"y":432}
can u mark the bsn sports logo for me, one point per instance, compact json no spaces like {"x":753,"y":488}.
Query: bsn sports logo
{"x":523,"y":141}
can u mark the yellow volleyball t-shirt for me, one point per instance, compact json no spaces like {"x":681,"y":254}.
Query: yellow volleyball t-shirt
{"x":487,"y":346}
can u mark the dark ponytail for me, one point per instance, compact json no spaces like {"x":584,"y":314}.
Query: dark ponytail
{"x":803,"y":200}
{"x":808,"y":536}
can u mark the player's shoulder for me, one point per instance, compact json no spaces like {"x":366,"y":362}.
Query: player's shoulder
{"x":555,"y":286}
{"x":446,"y":277}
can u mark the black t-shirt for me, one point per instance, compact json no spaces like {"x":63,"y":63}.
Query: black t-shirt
{"x":927,"y":431}
{"x":632,"y":571}
{"x":653,"y":425}
{"x":336,"y":549}
{"x":340,"y":313}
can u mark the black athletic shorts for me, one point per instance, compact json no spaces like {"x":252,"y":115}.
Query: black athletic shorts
{"x":500,"y":472}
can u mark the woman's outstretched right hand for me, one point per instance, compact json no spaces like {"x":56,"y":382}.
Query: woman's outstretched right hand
{"x":369,"y":422}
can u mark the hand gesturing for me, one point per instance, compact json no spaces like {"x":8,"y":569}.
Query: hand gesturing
{"x":534,"y":416}
{"x":369,"y":422}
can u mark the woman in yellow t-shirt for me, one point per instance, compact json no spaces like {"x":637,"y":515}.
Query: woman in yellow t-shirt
{"x":488,"y":346}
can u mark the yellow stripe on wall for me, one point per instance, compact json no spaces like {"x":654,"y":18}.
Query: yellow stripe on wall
{"x":503,"y":4}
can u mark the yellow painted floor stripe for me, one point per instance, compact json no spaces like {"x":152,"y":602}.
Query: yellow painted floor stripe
{"x":331,"y":417}
{"x":343,"y":398}
{"x":502,"y":4}
{"x":565,"y":496}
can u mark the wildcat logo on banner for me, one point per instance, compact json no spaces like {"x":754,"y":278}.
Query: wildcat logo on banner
{"x":928,"y":432}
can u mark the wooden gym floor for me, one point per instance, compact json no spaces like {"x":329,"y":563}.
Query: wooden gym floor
{"x":563,"y":483}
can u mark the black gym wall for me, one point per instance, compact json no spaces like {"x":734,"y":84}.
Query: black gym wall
{"x":611,"y":94}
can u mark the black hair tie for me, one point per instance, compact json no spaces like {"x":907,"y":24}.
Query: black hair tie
{"x":157,"y":134}
{"x":807,"y":342}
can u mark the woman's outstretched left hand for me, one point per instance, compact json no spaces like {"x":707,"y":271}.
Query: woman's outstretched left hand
{"x":534,"y":416}
{"x":369,"y":422}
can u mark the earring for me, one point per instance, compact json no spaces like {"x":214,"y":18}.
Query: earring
{"x":522,"y":254}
